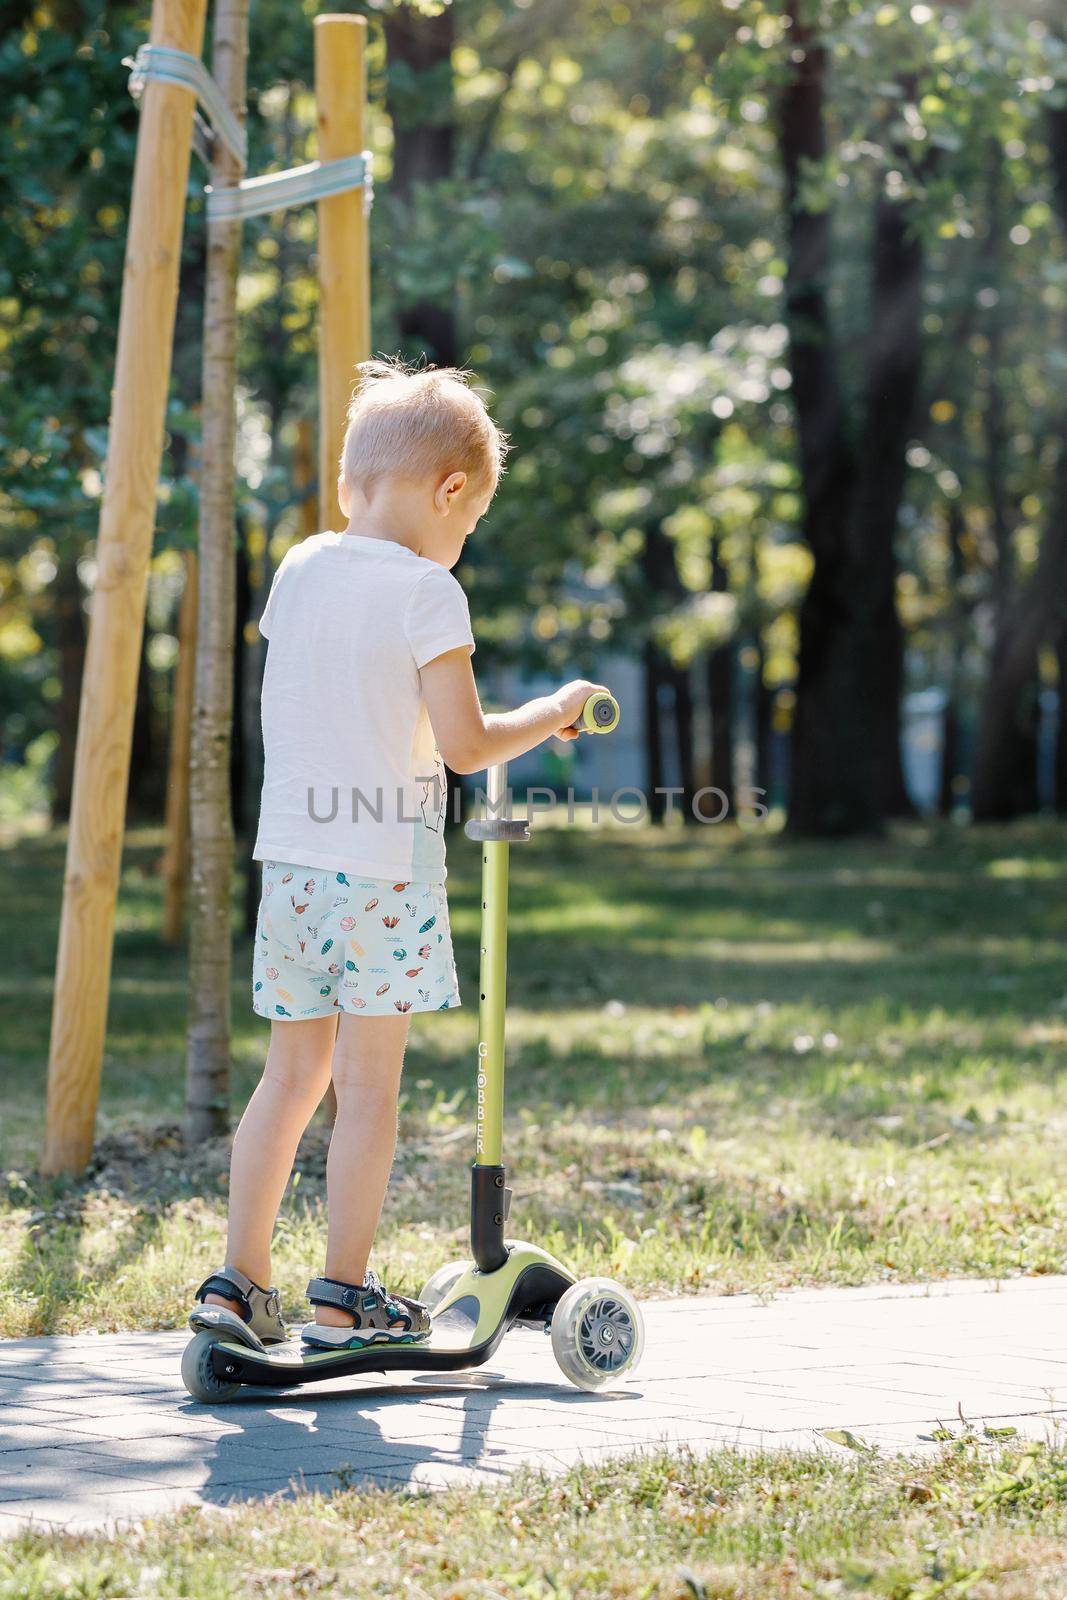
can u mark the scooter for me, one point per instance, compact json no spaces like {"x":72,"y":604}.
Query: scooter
{"x":596,"y":1325}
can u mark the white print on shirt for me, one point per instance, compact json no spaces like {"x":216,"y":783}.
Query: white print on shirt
{"x":433,"y":810}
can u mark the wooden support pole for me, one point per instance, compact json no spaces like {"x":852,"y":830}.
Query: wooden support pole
{"x":175,"y":870}
{"x":116,"y":625}
{"x":344,"y":258}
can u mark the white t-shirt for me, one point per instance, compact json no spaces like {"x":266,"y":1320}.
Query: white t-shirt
{"x":352,"y":778}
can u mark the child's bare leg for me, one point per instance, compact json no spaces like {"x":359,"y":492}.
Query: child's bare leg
{"x":367,"y":1062}
{"x":295,"y":1078}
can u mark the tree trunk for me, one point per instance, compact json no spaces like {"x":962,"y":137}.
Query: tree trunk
{"x":721,"y":706}
{"x":208,"y":1065}
{"x":143,"y":792}
{"x":950,"y":723}
{"x":419,"y":98}
{"x":831,"y":788}
{"x":654,"y":776}
{"x":950,"y":753}
{"x":1005,"y":766}
{"x":1060,"y":767}
{"x":661,"y":587}
{"x":1005,"y":777}
{"x":721,"y":698}
{"x":175,"y":867}
{"x":421,"y":106}
{"x":846,"y":768}
{"x":255,"y":650}
{"x":681,"y":684}
{"x":894,"y":362}
{"x":240,"y":797}
{"x":1005,"y":787}
{"x":1057,"y":119}
{"x":762,"y":720}
{"x":70,"y":642}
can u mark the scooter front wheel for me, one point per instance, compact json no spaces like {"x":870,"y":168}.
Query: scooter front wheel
{"x":598,"y":1333}
{"x":198,"y":1372}
{"x":440,"y":1282}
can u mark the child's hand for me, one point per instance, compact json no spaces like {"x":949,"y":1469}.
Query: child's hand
{"x":571,"y":702}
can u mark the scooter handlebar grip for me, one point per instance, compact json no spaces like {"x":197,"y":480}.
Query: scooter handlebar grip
{"x":600,"y":714}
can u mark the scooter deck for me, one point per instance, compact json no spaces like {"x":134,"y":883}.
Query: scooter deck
{"x":287,"y":1368}
{"x":465,"y":1330}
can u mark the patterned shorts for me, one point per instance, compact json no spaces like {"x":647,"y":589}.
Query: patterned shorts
{"x":328,"y":942}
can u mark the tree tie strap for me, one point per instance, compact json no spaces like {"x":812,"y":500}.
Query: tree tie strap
{"x":252,"y":197}
{"x":299,"y":186}
{"x":160,"y":63}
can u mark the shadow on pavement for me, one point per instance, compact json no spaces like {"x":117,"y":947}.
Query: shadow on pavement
{"x":430,"y":1433}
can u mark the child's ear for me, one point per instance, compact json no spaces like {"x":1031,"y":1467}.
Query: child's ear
{"x":342,"y":496}
{"x":448,"y":490}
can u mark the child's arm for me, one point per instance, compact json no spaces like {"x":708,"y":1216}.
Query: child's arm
{"x":468,"y":739}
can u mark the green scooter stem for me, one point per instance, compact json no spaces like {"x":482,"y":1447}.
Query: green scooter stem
{"x":490,"y":1196}
{"x":492,"y":987}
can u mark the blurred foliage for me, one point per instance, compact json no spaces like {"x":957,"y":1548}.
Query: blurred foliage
{"x":611,"y":243}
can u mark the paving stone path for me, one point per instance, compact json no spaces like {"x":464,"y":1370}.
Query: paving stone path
{"x":98,"y":1429}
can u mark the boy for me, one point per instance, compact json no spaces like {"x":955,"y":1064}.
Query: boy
{"x":368,"y":683}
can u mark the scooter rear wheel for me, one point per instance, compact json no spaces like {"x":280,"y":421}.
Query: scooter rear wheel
{"x":598,"y":1333}
{"x":198,"y":1373}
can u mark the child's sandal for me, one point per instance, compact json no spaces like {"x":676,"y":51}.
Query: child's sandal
{"x":378,"y":1317}
{"x":260,"y":1321}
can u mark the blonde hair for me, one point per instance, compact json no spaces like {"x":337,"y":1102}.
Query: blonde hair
{"x":410,"y":422}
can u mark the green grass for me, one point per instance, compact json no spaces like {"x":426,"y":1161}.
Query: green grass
{"x":735,"y":1062}
{"x":975,"y":1523}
